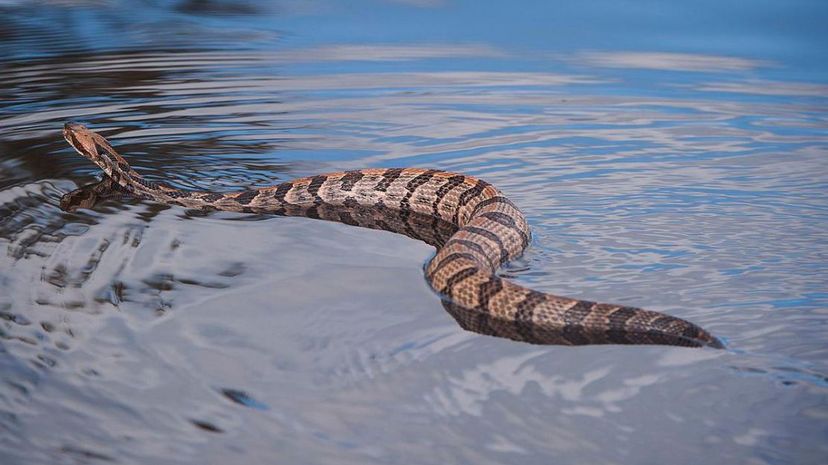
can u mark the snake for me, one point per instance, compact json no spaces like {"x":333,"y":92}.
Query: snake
{"x":474,"y":227}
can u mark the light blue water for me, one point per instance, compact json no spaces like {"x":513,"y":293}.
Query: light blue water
{"x":669,"y":155}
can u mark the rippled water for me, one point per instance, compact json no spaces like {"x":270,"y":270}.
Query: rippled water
{"x":668,"y":155}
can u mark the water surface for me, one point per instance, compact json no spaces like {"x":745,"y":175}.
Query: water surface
{"x":668,"y":155}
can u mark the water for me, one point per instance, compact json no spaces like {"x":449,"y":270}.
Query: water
{"x":669,"y":155}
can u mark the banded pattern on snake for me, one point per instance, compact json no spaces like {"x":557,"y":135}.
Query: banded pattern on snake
{"x":474,"y":226}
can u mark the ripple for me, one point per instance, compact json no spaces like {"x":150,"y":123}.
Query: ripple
{"x":669,"y":61}
{"x":242,"y":398}
{"x":686,"y":177}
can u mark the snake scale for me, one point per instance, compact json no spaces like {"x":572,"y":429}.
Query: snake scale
{"x":475,"y":228}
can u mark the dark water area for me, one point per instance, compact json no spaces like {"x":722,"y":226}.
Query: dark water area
{"x":668,"y":155}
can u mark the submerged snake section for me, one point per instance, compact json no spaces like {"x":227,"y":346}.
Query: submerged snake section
{"x":474,"y":227}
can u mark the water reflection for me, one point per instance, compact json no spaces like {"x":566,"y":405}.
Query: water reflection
{"x":670,"y":157}
{"x":90,"y":195}
{"x":668,"y":61}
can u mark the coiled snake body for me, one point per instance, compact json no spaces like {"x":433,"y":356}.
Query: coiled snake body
{"x":474,"y":226}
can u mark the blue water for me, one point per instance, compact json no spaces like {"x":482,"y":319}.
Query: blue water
{"x":668,"y":155}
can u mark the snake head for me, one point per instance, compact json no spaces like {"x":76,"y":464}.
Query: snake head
{"x":97,"y":149}
{"x":82,"y":140}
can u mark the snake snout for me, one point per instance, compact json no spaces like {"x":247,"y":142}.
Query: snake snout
{"x":69,"y":129}
{"x":72,"y":127}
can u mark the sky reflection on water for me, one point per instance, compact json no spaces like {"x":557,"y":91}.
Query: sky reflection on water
{"x":667,"y":154}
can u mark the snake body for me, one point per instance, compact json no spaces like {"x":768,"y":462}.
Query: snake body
{"x":475,"y":228}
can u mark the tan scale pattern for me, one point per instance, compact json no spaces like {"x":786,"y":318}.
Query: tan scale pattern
{"x":473,"y":225}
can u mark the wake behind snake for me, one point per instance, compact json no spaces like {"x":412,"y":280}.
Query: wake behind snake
{"x":475,"y":228}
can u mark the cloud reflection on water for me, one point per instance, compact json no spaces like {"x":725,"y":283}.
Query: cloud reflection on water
{"x":667,"y":61}
{"x":689,"y":193}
